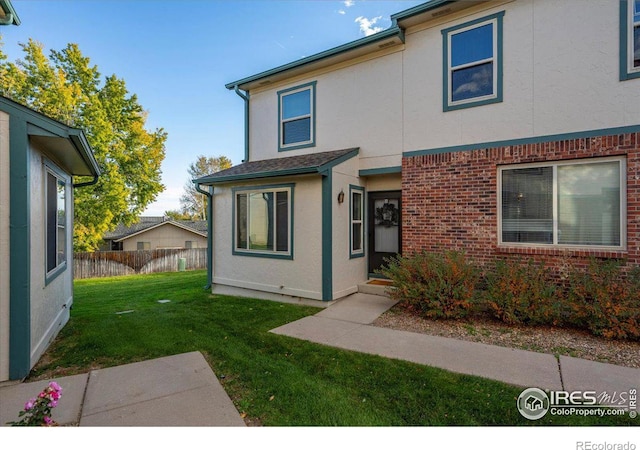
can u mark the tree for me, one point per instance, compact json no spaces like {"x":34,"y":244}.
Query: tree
{"x":174,"y":214}
{"x":193,"y":202}
{"x":66,"y":87}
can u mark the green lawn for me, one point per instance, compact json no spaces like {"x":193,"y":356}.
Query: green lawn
{"x":274,"y":380}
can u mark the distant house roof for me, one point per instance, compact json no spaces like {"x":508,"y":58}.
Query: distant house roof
{"x":277,"y":167}
{"x":147,"y":223}
{"x":8,"y":15}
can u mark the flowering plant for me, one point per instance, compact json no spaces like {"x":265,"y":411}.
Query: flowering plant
{"x":37,"y":411}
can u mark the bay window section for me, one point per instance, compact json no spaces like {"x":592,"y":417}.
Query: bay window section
{"x":575,"y":204}
{"x":263,"y":221}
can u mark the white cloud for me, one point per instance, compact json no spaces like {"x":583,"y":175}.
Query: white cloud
{"x":367,"y":25}
{"x":348,"y":3}
{"x":342,"y":12}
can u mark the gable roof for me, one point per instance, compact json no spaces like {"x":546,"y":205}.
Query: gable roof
{"x":67,"y":145}
{"x":394,"y":35}
{"x":123,"y":232}
{"x":313,"y":163}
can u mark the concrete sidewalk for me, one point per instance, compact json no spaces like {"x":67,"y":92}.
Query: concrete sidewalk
{"x":179,"y":390}
{"x":347,"y":324}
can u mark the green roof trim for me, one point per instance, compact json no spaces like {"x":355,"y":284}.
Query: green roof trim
{"x":393,"y":31}
{"x":419,"y":9}
{"x":10,"y":13}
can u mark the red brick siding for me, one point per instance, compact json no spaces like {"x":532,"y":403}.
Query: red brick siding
{"x":449,"y":200}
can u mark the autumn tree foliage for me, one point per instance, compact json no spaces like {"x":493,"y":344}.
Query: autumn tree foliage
{"x":192,"y":202}
{"x":67,"y":87}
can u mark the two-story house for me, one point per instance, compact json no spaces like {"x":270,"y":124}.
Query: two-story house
{"x":501,"y":128}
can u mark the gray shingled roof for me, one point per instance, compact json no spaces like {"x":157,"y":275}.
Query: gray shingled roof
{"x":289,"y":165}
{"x":146,"y":222}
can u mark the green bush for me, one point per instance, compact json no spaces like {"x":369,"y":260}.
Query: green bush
{"x":519,"y":293}
{"x":606,"y":300}
{"x":433,"y":285}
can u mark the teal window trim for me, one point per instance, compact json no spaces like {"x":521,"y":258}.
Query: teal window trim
{"x":288,"y":187}
{"x":627,"y":71}
{"x":61,"y":177}
{"x":327,"y":236}
{"x":281,"y":95}
{"x":357,"y":253}
{"x":496,"y":96}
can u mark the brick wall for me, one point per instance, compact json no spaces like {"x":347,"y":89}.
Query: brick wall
{"x":450,"y":199}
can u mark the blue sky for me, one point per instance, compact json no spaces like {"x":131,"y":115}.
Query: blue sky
{"x":176,"y":56}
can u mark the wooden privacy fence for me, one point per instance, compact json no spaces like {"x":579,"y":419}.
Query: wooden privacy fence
{"x":115,"y":263}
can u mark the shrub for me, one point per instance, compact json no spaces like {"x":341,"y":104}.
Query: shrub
{"x":519,"y":293}
{"x":606,"y":300}
{"x":433,"y":285}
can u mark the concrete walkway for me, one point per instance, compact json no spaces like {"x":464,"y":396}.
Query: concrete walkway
{"x":347,"y":324}
{"x":179,"y":390}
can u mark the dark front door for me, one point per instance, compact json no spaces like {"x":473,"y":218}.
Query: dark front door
{"x":385,"y":238}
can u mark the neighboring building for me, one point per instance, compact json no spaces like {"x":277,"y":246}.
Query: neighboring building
{"x":8,"y":15}
{"x":153,"y":233}
{"x":502,"y":128}
{"x":38,"y":158}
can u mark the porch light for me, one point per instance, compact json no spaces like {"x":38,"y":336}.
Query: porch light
{"x":341,"y":196}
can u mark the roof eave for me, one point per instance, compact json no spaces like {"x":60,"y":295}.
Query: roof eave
{"x":394,"y":34}
{"x":9,"y":10}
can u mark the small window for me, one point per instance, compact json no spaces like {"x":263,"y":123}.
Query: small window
{"x":356,"y":216}
{"x":56,"y":237}
{"x":473,"y":63}
{"x":143,"y":245}
{"x":577,"y":203}
{"x":629,"y":39}
{"x":263,"y":221}
{"x":296,"y":127}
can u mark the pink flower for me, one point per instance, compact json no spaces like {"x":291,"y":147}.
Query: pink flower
{"x":29,"y":404}
{"x":47,"y":420}
{"x":53,"y":404}
{"x":55,"y":386}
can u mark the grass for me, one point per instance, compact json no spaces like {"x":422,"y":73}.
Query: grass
{"x":274,"y":380}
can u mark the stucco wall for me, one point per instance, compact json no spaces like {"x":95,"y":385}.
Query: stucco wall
{"x":165,"y":236}
{"x":4,"y":246}
{"x":299,"y":277}
{"x":347,"y":271}
{"x":50,"y":303}
{"x":357,"y":106}
{"x":561,"y":74}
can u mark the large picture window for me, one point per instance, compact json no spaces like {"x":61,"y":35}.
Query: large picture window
{"x":263,"y":221}
{"x":296,"y":122}
{"x":629,"y":39}
{"x":473,"y":63}
{"x":356,"y":219}
{"x":577,"y":203}
{"x":56,"y":222}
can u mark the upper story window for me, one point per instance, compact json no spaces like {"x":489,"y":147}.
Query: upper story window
{"x":263,"y":221}
{"x":472,"y":55}
{"x":578,"y":203}
{"x":629,"y":39}
{"x":56,"y":222}
{"x":296,"y":122}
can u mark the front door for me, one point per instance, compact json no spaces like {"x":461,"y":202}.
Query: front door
{"x":385,"y":238}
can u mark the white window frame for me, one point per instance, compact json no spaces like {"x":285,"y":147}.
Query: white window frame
{"x":353,"y":252}
{"x":282,"y":95}
{"x":555,"y":164}
{"x":261,"y":190}
{"x":61,"y":180}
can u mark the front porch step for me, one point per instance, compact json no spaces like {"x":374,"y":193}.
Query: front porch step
{"x":375,"y":287}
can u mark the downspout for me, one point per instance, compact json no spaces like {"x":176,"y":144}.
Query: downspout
{"x":245,"y":97}
{"x":209,"y":195}
{"x":87,"y":183}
